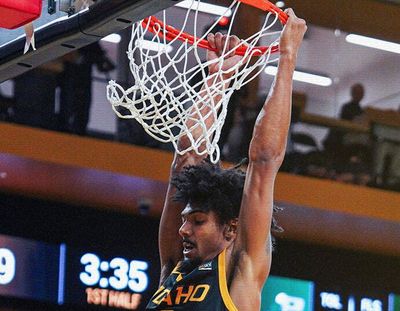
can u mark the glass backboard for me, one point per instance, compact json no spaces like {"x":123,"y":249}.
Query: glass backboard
{"x":72,"y":25}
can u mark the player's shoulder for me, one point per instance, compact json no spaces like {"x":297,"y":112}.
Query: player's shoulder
{"x":246,"y":269}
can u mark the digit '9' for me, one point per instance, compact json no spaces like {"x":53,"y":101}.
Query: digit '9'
{"x":7,"y":266}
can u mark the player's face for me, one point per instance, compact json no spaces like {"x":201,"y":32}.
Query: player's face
{"x":202,"y":234}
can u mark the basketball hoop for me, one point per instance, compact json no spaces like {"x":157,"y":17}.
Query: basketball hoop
{"x":165,"y":95}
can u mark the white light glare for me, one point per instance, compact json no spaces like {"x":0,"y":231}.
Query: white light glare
{"x":374,"y":43}
{"x":303,"y":77}
{"x":154,"y":46}
{"x":113,"y":38}
{"x":205,"y":7}
{"x":280,"y":4}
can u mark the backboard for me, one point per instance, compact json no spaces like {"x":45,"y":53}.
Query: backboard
{"x":71,"y":25}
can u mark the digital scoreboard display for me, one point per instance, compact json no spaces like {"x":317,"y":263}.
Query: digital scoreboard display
{"x":29,"y":269}
{"x":63,"y":275}
{"x":110,"y":281}
{"x":288,"y":294}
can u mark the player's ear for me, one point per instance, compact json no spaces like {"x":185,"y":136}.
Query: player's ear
{"x":231,"y":229}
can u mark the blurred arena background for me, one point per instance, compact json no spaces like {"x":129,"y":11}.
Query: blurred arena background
{"x":81,"y":192}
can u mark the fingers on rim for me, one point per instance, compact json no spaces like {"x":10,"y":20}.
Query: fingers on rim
{"x":290,"y":12}
{"x":211,"y":40}
{"x":234,"y":42}
{"x":218,"y":41}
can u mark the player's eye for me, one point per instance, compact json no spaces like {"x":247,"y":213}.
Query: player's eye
{"x":199,"y":221}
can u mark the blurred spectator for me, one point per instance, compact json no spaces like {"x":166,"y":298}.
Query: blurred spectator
{"x":316,"y":164}
{"x":351,"y":151}
{"x":240,"y":130}
{"x":6,"y":103}
{"x":76,"y":87}
{"x":232,"y":123}
{"x":34,"y":93}
{"x":350,"y":111}
{"x":385,"y":128}
{"x":387,"y":164}
{"x":353,"y":167}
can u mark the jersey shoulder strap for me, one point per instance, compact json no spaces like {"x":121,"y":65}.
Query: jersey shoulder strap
{"x":223,"y":285}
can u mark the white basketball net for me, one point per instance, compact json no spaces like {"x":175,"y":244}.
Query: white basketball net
{"x":166,"y":101}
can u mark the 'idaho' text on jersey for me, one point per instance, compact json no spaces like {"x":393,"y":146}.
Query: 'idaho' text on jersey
{"x":202,"y":289}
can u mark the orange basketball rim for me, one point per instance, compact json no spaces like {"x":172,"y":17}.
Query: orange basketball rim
{"x":170,"y":33}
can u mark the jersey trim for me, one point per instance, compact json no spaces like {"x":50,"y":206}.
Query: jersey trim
{"x":223,"y":287}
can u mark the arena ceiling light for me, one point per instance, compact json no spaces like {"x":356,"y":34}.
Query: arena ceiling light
{"x":373,"y":43}
{"x":206,"y":8}
{"x":113,"y":38}
{"x":303,"y":76}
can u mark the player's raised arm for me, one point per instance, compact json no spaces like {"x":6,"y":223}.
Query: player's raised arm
{"x":170,"y":243}
{"x":266,"y":153}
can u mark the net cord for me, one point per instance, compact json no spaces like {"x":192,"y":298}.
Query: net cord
{"x":168,"y":106}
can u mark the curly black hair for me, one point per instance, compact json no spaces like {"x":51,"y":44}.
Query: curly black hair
{"x":212,"y":188}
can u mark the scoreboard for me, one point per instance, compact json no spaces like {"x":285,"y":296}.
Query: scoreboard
{"x":288,"y":294}
{"x":28,"y":269}
{"x":64,"y":275}
{"x":110,"y":281}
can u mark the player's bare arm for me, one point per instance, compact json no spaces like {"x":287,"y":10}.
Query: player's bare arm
{"x":266,"y":154}
{"x":170,"y":242}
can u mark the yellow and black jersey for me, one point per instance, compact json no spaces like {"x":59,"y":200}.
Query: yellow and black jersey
{"x":203,"y":289}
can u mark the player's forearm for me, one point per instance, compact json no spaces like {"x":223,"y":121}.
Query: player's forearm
{"x":272,"y":125}
{"x":203,"y":114}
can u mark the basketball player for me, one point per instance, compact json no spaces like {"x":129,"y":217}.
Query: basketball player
{"x":214,"y":238}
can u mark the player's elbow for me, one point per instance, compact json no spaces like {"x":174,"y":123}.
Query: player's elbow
{"x":267,"y":155}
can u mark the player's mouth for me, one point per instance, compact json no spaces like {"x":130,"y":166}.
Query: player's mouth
{"x":188,"y":247}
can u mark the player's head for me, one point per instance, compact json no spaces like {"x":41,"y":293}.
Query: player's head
{"x":357,"y":92}
{"x":212,"y":196}
{"x":211,"y":188}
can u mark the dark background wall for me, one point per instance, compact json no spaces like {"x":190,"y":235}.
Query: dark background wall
{"x":117,"y":234}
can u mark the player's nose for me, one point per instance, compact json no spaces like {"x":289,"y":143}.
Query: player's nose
{"x":185,"y":230}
